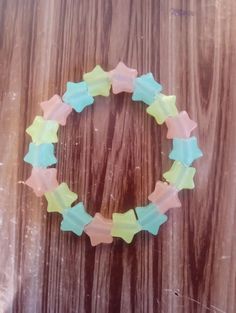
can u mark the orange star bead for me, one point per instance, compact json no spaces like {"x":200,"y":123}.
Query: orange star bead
{"x":180,"y":126}
{"x":42,"y":180}
{"x":122,"y":78}
{"x":99,"y":230}
{"x":165,"y":197}
{"x":55,"y":109}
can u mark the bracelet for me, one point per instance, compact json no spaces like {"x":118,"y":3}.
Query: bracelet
{"x":43,"y":131}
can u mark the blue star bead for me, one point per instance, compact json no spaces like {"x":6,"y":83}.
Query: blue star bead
{"x":146,"y":89}
{"x":75,"y":219}
{"x":41,"y":155}
{"x":77,"y":96}
{"x":185,"y":150}
{"x":150,"y":218}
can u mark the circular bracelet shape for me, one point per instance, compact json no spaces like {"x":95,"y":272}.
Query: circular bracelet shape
{"x":43,"y":131}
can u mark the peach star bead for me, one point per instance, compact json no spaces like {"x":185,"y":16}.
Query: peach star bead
{"x":55,"y":109}
{"x":165,"y":197}
{"x":42,"y":180}
{"x":122,"y":78}
{"x":180,"y":126}
{"x":99,"y":230}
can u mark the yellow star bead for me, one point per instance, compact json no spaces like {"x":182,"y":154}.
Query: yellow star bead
{"x":180,"y":176}
{"x":60,"y":198}
{"x":98,"y":82}
{"x":125,"y":225}
{"x":163,"y":107}
{"x":43,"y":131}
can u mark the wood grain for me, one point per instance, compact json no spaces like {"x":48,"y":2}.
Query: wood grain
{"x":113,"y":153}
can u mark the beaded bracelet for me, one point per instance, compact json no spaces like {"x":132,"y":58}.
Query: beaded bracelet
{"x":78,"y":96}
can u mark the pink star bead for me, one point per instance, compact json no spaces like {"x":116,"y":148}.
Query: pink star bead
{"x":55,"y":109}
{"x":42,"y":180}
{"x":122,"y":78}
{"x":99,"y":230}
{"x":180,"y":126}
{"x":165,"y":197}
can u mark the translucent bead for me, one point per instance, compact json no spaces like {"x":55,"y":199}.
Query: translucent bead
{"x":185,"y":150}
{"x":40,"y":155}
{"x":150,"y":218}
{"x":180,"y":126}
{"x":75,"y":219}
{"x":122,"y":78}
{"x":43,"y":131}
{"x":163,"y":107}
{"x":42,"y":180}
{"x":77,"y":96}
{"x":125,"y":225}
{"x":98,"y":82}
{"x":165,"y":197}
{"x":99,"y":230}
{"x":60,"y":198}
{"x":180,"y":176}
{"x":146,"y":89}
{"x":56,"y":110}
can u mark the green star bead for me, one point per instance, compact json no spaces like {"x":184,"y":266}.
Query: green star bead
{"x":125,"y":225}
{"x":98,"y":82}
{"x":60,"y":198}
{"x":180,"y":176}
{"x":43,"y":131}
{"x":163,"y":107}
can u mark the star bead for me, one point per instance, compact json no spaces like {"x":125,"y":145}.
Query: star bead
{"x":163,"y":107}
{"x":146,"y":89}
{"x":122,"y":78}
{"x":43,"y":131}
{"x":125,"y":225}
{"x":40,"y":155}
{"x":180,"y":176}
{"x":165,"y":197}
{"x":77,"y":96}
{"x":42,"y":180}
{"x":150,"y":218}
{"x":56,"y":110}
{"x":99,"y":230}
{"x":75,"y":219}
{"x":98,"y":82}
{"x":185,"y":150}
{"x":180,"y":126}
{"x":60,"y":198}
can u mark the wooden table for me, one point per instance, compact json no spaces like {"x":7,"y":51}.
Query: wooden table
{"x":113,"y":153}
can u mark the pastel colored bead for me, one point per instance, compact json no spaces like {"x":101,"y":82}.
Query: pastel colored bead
{"x":42,"y":180}
{"x":77,"y":96}
{"x":180,"y":126}
{"x":98,"y":82}
{"x":75,"y":219}
{"x":43,"y":131}
{"x":40,"y":155}
{"x":146,"y":89}
{"x":60,"y":198}
{"x":185,"y":150}
{"x":122,"y":78}
{"x":99,"y":230}
{"x":163,"y":107}
{"x":165,"y":197}
{"x":180,"y":176}
{"x":125,"y":225}
{"x":150,"y":218}
{"x":55,"y":109}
